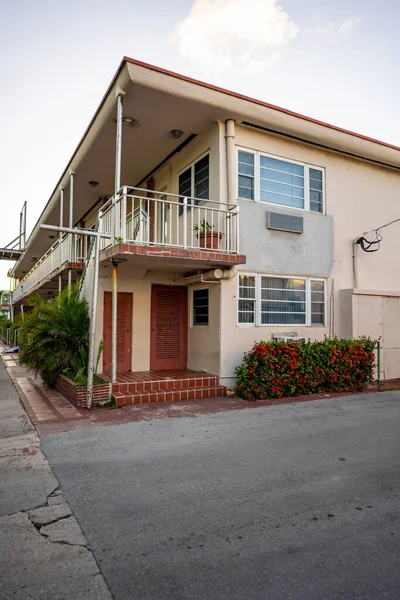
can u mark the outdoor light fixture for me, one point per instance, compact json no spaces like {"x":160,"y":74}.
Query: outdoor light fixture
{"x":93,"y":183}
{"x":128,"y":121}
{"x":176,"y":133}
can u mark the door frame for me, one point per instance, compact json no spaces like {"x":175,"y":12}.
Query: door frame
{"x":184,"y":325}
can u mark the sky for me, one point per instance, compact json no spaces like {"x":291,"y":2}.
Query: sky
{"x":334,"y":60}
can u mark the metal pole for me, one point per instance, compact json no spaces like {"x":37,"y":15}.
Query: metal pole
{"x":24,"y":209}
{"x":20,"y":230}
{"x":22,"y":311}
{"x":118,"y":152}
{"x":71,"y":217}
{"x":60,"y":236}
{"x":118,"y":147}
{"x":379,"y":365}
{"x":114,"y":323}
{"x":92,"y":331}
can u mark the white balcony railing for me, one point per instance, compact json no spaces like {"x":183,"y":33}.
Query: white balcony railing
{"x":140,"y":216}
{"x":71,"y":249}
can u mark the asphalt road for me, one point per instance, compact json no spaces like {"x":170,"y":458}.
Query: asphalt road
{"x":298,"y":501}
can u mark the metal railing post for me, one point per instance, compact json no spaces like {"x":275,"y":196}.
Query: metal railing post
{"x":123,"y":213}
{"x":185,"y":223}
{"x":237,"y":229}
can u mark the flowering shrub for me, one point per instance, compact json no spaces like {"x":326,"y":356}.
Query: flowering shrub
{"x":277,"y":369}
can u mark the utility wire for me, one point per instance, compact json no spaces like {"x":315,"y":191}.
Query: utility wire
{"x":374,"y":245}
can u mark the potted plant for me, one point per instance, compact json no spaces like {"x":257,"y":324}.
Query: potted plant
{"x":207,"y":237}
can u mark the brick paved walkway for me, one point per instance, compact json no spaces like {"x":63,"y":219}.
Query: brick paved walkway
{"x":42,"y":404}
{"x":50,"y":412}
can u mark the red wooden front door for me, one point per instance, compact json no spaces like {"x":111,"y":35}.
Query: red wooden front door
{"x":168,"y":340}
{"x":124,"y":331}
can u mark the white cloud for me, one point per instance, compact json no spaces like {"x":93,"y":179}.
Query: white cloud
{"x":349,"y":25}
{"x":217,"y":33}
{"x":322,"y":30}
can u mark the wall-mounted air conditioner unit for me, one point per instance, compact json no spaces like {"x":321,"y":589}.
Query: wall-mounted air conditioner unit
{"x":288,"y":336}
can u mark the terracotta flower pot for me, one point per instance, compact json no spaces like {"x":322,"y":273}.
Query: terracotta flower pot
{"x":209,"y":239}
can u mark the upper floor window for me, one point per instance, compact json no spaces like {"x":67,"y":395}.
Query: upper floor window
{"x":269,"y":179}
{"x":194,"y":182}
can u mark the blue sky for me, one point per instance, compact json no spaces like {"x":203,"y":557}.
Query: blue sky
{"x":333,"y":60}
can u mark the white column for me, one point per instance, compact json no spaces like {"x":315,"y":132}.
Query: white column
{"x":60,"y":235}
{"x":231,"y":160}
{"x":118,"y":152}
{"x":71,"y":219}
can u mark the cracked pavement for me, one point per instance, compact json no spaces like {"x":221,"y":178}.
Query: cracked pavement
{"x":44,"y":554}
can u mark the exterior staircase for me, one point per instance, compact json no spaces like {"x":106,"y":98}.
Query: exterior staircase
{"x":164,"y":386}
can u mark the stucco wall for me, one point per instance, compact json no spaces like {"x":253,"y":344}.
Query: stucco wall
{"x":307,"y":253}
{"x":203,"y":342}
{"x":358,"y":197}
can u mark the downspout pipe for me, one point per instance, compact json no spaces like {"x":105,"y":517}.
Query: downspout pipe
{"x":231,"y":160}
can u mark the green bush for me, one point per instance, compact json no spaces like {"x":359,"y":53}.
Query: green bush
{"x":54,"y":335}
{"x":280,"y":369}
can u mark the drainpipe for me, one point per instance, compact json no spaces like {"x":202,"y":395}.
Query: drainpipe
{"x":71,"y":219}
{"x":118,"y":153}
{"x":60,"y":235}
{"x":231,"y":160}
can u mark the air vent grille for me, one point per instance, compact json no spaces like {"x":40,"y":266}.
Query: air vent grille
{"x":284,"y":222}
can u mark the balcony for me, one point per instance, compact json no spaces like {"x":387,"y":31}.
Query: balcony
{"x":162,"y":225}
{"x":67,"y":253}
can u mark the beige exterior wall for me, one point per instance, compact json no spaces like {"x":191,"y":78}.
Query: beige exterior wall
{"x":359,"y":197}
{"x":203,"y":342}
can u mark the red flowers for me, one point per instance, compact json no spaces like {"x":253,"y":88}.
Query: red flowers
{"x":273,"y":370}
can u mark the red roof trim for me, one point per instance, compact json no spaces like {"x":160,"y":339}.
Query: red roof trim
{"x":255,"y":101}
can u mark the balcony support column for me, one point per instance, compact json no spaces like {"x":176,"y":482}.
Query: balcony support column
{"x":231,"y":160}
{"x":117,"y":186}
{"x":60,"y":235}
{"x":71,"y":220}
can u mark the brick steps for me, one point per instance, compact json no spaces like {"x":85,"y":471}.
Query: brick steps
{"x":172,"y":394}
{"x":156,"y":385}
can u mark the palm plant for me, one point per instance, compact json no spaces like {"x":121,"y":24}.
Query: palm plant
{"x":54,"y":335}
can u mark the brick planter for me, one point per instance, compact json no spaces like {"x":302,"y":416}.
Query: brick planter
{"x":77,"y":394}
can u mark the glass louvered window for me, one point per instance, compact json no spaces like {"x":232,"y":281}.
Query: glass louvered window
{"x":200,"y":306}
{"x":279,"y":181}
{"x":247,"y":299}
{"x":274,"y":300}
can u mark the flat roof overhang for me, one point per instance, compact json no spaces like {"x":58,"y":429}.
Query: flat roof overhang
{"x":160,"y":101}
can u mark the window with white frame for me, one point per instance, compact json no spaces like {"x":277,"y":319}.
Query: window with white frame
{"x":247,"y":299}
{"x":270,"y":179}
{"x":200,"y":303}
{"x":194,"y":182}
{"x":275,"y":300}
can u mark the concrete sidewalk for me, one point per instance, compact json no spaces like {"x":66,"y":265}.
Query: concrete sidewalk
{"x":44,"y":554}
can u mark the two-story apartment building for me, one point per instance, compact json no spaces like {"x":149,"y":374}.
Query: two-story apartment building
{"x":229,"y":220}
